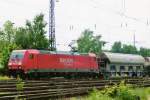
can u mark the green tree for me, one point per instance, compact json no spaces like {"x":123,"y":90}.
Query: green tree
{"x":144,"y":52}
{"x":33,"y":35}
{"x":36,"y":33}
{"x":22,"y":38}
{"x":129,"y":49}
{"x":117,"y":47}
{"x":5,"y":56}
{"x":89,"y":43}
{"x":9,"y":31}
{"x":7,"y":34}
{"x":2,"y":35}
{"x":2,"y":40}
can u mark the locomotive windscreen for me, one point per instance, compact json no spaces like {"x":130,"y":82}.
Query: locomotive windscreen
{"x":17,"y":55}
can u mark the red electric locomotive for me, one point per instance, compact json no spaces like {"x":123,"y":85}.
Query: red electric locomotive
{"x":40,"y":63}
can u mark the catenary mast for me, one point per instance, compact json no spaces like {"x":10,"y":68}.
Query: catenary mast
{"x":52,"y":39}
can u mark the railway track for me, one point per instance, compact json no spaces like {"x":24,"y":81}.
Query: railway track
{"x":58,"y":88}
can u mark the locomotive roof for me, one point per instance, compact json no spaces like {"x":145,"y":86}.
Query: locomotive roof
{"x":123,"y":58}
{"x":56,"y":52}
{"x":19,"y":50}
{"x":62,"y":52}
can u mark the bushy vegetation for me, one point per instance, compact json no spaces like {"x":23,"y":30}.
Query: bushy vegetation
{"x":144,"y":93}
{"x":19,"y":84}
{"x":121,"y":92}
{"x":5,"y":57}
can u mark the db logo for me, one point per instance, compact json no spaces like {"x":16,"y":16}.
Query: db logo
{"x":66,"y":60}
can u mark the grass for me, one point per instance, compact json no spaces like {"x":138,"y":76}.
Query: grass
{"x":144,"y":93}
{"x":19,"y":84}
{"x":4,"y":78}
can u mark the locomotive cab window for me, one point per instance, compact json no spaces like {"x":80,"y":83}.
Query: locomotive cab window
{"x":17,"y":55}
{"x":31,"y":56}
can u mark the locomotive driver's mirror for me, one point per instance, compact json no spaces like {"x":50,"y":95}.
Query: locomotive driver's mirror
{"x":31,"y":56}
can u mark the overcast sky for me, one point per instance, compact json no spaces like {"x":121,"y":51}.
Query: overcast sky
{"x":113,"y":19}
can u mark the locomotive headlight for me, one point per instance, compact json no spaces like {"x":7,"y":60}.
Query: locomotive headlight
{"x":10,"y":64}
{"x":19,"y":67}
{"x":19,"y":63}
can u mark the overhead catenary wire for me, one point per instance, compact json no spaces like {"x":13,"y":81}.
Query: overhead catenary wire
{"x":122,"y":14}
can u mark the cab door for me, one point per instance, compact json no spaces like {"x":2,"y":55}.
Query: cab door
{"x":32,"y":61}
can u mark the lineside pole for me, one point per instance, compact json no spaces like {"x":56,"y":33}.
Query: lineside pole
{"x":52,"y":39}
